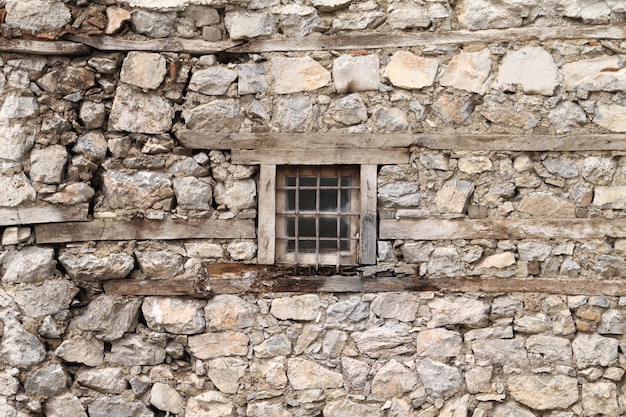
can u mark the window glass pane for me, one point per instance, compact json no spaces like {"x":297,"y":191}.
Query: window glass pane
{"x":345,"y":201}
{"x":307,"y":200}
{"x":344,"y":227}
{"x":328,"y":227}
{"x":346,"y":181}
{"x":290,"y":181}
{"x":328,"y":200}
{"x":308,"y":181}
{"x":345,"y":244}
{"x":306,"y":227}
{"x":328,"y":181}
{"x":290,"y":203}
{"x":290,"y":222}
{"x":328,"y":245}
{"x":306,"y":245}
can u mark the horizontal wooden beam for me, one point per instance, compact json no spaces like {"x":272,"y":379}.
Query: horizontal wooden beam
{"x":35,"y":47}
{"x":479,"y":142}
{"x":332,"y":156}
{"x":43,"y":214}
{"x":438,"y":229}
{"x":190,"y":46}
{"x":460,"y":37}
{"x":208,"y":287}
{"x":141,"y":229}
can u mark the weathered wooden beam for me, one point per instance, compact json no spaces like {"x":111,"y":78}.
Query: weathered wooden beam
{"x":208,"y":287}
{"x":439,"y":229}
{"x":402,"y":40}
{"x":43,"y":214}
{"x":331,"y":156}
{"x":190,"y":46}
{"x":34,"y":47}
{"x":480,"y":142}
{"x":141,"y":229}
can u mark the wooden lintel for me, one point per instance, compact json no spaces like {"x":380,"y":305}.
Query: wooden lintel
{"x":34,"y":47}
{"x":142,"y":229}
{"x":209,"y":287}
{"x":43,"y":214}
{"x":190,"y":46}
{"x":332,"y":156}
{"x":480,"y":142}
{"x":460,"y":37}
{"x":439,"y":229}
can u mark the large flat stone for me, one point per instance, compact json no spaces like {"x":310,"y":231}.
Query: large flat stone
{"x":532,"y":68}
{"x":605,"y":73}
{"x":213,"y":345}
{"x":611,"y":117}
{"x":407,"y":70}
{"x":468,"y":71}
{"x":304,"y":374}
{"x":542,"y":393}
{"x":173,"y":315}
{"x":138,"y":112}
{"x":356,"y":73}
{"x":143,"y":70}
{"x":293,"y":75}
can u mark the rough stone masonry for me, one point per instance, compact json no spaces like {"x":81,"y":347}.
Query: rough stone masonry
{"x":96,"y":98}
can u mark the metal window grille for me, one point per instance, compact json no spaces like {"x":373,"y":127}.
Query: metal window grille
{"x":317,"y":215}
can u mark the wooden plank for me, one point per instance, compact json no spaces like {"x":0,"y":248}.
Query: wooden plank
{"x":208,"y":287}
{"x":460,"y":37}
{"x":43,"y":214}
{"x":267,"y":215}
{"x":24,"y":46}
{"x":190,"y":46}
{"x":367,"y":230}
{"x":142,"y":229}
{"x":333,"y":156}
{"x":213,"y":140}
{"x":439,"y":229}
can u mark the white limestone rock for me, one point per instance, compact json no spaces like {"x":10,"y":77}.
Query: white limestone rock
{"x":407,"y":70}
{"x":37,"y":16}
{"x":212,"y":81}
{"x":509,"y":352}
{"x":399,"y":194}
{"x":345,"y":407}
{"x":356,"y":73}
{"x":605,"y":73}
{"x":613,"y":322}
{"x":349,"y":110}
{"x":532,"y":68}
{"x":390,"y":119}
{"x":439,"y":343}
{"x":390,"y":339}
{"x":155,"y":24}
{"x":213,"y":345}
{"x":95,"y":267}
{"x":415,"y":252}
{"x":546,"y":205}
{"x":399,"y":306}
{"x":118,"y":406}
{"x":304,"y":374}
{"x":266,"y":409}
{"x":299,"y":307}
{"x":542,"y":393}
{"x":330,"y":5}
{"x":248,"y":24}
{"x":236,"y":195}
{"x":220,"y":115}
{"x":193,"y":193}
{"x":135,"y":350}
{"x":486,"y":14}
{"x":15,"y":141}
{"x":46,"y":299}
{"x":225,"y":373}
{"x":439,"y":379}
{"x":293,"y":75}
{"x":144,"y":70}
{"x":594,"y":350}
{"x":600,"y":398}
{"x":160,"y":264}
{"x":63,"y":405}
{"x":345,"y":313}
{"x":468,"y":71}
{"x":503,"y":111}
{"x":533,"y":251}
{"x":20,"y":348}
{"x":294,"y":113}
{"x":107,"y":380}
{"x":252,"y":78}
{"x":28,"y":265}
{"x":209,"y":404}
{"x":355,"y":373}
{"x":141,"y":189}
{"x":444,"y":261}
{"x":511,"y":409}
{"x":599,"y":170}
{"x":138,"y":112}
{"x":567,"y":116}
{"x":413,"y":17}
{"x":166,"y":398}
{"x":457,"y":310}
{"x":15,"y":190}
{"x":8,"y":383}
{"x":77,"y":349}
{"x":110,"y":315}
{"x":497,"y":260}
{"x":611,"y":117}
{"x":546,"y":350}
{"x":47,"y":165}
{"x":174,"y":315}
{"x":393,"y":379}
{"x":607,"y":197}
{"x":228,"y":312}
{"x":454,"y":196}
{"x":298,"y":20}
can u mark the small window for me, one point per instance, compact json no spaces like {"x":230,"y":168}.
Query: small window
{"x":317,"y":215}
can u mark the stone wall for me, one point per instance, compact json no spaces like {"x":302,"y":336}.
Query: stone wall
{"x":508,"y":132}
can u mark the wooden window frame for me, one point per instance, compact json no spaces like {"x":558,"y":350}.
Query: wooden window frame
{"x":267,"y":218}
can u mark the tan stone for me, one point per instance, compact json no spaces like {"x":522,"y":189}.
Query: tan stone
{"x":601,"y":73}
{"x":301,"y":307}
{"x":117,"y":17}
{"x":498,"y":260}
{"x":611,"y":117}
{"x":393,"y":379}
{"x":213,"y":345}
{"x":304,"y":374}
{"x":407,"y":70}
{"x":173,"y":315}
{"x":293,"y":75}
{"x":468,"y":71}
{"x":143,"y":69}
{"x":532,"y":68}
{"x":546,"y":205}
{"x":209,"y":404}
{"x":544,"y":392}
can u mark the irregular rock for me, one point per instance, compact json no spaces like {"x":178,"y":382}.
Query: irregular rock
{"x":209,"y":404}
{"x":277,"y":345}
{"x":47,"y":165}
{"x":228,"y":312}
{"x":444,"y":261}
{"x":345,"y":312}
{"x":533,"y":251}
{"x":565,"y":168}
{"x":606,"y":197}
{"x":345,"y":407}
{"x":300,"y":307}
{"x":613,"y":322}
{"x":593,"y":350}
{"x":398,"y":306}
{"x":478,"y":379}
{"x":110,"y":315}
{"x":72,"y":194}
{"x":605,"y":73}
{"x":349,"y":110}
{"x":173,"y":315}
{"x":399,"y":194}
{"x":511,"y":409}
{"x":138,"y":112}
{"x":141,"y":189}
{"x":18,"y":107}
{"x":598,"y":170}
{"x":152,"y":23}
{"x":505,"y":112}
{"x":15,"y":141}
{"x":165,"y":398}
{"x":484,"y":14}
{"x":462,"y":310}
{"x":390,"y":119}
{"x":355,"y":373}
{"x":248,"y":25}
{"x":160,"y":264}
{"x":407,"y":70}
{"x":221,"y":115}
{"x":91,"y":267}
{"x":508,"y":352}
{"x":454,"y":109}
{"x":393,"y":379}
{"x":134,"y":350}
{"x":439,"y":343}
{"x":330,"y":5}
{"x":266,"y":408}
{"x":64,"y":405}
{"x":298,"y":21}
{"x":546,"y":205}
{"x":19,"y":347}
{"x":293,"y":113}
{"x":360,"y":20}
{"x":498,"y":260}
{"x":414,"y":17}
{"x":439,"y":379}
{"x":29,"y":265}
{"x":356,"y":73}
{"x":611,"y":117}
{"x":116,"y":17}
{"x":532,"y":68}
{"x":118,"y":406}
{"x":8,"y":384}
{"x":46,"y":299}
{"x":15,"y":190}
{"x":252,"y":78}
{"x":212,"y":81}
{"x":107,"y":380}
{"x":47,"y":381}
{"x":241,"y":251}
{"x":475,"y":164}
{"x":547,"y":350}
{"x":542,"y":393}
{"x":454,"y":196}
{"x":387,"y":340}
{"x":468,"y":71}
{"x":67,"y":80}
{"x":304,"y":374}
{"x":415,"y":252}
{"x":38,"y":15}
{"x":225,"y":373}
{"x":144,"y":70}
{"x":600,"y":398}
{"x":80,"y":350}
{"x":213,"y":345}
{"x":567,"y":116}
{"x":294,"y":75}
